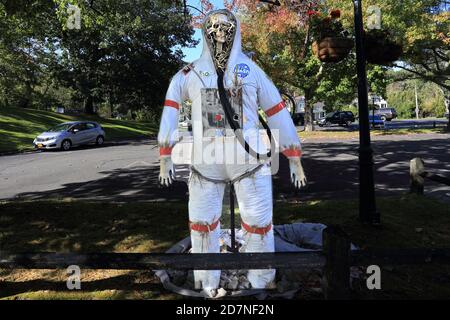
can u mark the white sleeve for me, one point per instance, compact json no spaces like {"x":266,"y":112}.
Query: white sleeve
{"x":278,"y":116}
{"x":168,"y":128}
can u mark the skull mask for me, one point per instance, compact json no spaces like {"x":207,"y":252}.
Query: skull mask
{"x":220,"y":29}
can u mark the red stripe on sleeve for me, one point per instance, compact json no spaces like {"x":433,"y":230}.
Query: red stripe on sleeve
{"x":275,"y":109}
{"x":171,"y":103}
{"x":292,"y":153}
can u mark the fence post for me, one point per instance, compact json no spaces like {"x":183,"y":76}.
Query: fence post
{"x":336,"y":247}
{"x":416,"y":169}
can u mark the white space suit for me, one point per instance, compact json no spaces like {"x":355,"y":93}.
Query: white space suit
{"x":249,"y":89}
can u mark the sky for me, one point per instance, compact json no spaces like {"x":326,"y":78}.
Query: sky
{"x":192,"y":54}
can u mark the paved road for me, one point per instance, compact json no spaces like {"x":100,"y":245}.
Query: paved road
{"x":128,"y":172}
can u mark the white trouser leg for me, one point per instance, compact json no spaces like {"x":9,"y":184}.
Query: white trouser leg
{"x":255,"y":198}
{"x":205,"y":208}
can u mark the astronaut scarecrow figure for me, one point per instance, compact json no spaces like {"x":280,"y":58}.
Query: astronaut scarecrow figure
{"x":220,"y":153}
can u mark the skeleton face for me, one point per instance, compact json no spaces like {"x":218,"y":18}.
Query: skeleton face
{"x":220,"y":29}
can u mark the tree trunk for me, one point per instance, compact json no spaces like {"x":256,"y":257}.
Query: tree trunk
{"x":26,"y":98}
{"x":448,"y":122}
{"x":309,"y":114}
{"x":111,"y":106}
{"x":446,"y":94}
{"x":447,"y":104}
{"x":89,"y":105}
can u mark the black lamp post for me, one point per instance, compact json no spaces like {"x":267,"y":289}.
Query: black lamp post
{"x":367,"y":206}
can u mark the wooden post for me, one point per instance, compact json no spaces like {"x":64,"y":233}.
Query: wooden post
{"x":336,"y":247}
{"x":416,"y":170}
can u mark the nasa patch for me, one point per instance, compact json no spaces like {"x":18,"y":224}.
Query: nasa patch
{"x":242,"y":70}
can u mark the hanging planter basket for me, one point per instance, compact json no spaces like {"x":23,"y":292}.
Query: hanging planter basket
{"x":332,"y":49}
{"x":381,"y":50}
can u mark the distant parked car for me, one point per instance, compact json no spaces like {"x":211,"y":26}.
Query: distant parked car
{"x":342,"y":118}
{"x":70,"y":134}
{"x":386,"y":114}
{"x":376,"y":121}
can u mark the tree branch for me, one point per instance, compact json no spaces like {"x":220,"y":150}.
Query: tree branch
{"x":425,"y":77}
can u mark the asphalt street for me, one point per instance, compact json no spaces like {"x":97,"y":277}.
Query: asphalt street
{"x":129,"y":171}
{"x":394,"y":124}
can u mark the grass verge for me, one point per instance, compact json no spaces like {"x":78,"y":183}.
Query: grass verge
{"x":349,"y":135}
{"x":408,"y":221}
{"x":18,"y":127}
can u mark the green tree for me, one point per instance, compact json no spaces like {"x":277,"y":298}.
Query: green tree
{"x":123,"y":54}
{"x":401,"y":95}
{"x":281,"y":39}
{"x":26,"y":55}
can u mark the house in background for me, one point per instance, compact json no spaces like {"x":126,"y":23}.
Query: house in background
{"x":318,"y":107}
{"x":379,"y":101}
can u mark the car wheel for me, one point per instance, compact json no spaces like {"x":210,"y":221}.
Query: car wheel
{"x":383,"y":118}
{"x":348,"y":123}
{"x":66,"y":145}
{"x":328,"y":123}
{"x":99,"y":140}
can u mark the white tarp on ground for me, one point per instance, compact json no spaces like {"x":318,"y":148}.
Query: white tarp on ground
{"x":288,"y":238}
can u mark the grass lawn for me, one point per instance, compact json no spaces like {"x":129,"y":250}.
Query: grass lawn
{"x":348,"y":135}
{"x":65,"y":225}
{"x":18,"y":127}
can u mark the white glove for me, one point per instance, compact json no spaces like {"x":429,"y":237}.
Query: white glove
{"x":166,"y":172}
{"x":298,"y":177}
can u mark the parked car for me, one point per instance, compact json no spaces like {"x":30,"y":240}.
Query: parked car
{"x":70,"y":134}
{"x":376,"y":121}
{"x":386,"y":114}
{"x":299,"y":119}
{"x":342,"y":118}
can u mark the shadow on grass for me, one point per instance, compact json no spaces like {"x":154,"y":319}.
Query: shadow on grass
{"x":91,"y":227}
{"x":138,"y":282}
{"x":408,"y":221}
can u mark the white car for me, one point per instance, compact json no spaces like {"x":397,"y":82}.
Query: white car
{"x":69,"y":134}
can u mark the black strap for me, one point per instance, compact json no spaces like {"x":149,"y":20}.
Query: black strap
{"x":234,"y":122}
